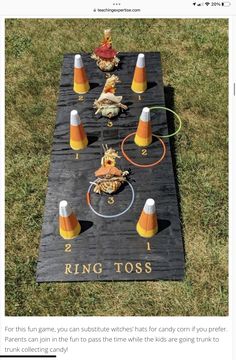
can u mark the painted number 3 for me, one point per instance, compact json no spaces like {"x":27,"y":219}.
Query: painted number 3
{"x":109,"y":123}
{"x":111,"y":200}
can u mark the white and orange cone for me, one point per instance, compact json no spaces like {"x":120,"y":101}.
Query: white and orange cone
{"x":147,"y":225}
{"x":81,"y":84}
{"x":78,"y":137}
{"x":143,"y":136}
{"x":139,"y":83}
{"x":69,"y":226}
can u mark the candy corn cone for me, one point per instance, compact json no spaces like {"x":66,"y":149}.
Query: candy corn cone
{"x":81,"y":84}
{"x":143,"y":136}
{"x":69,"y":227}
{"x":147,"y":224}
{"x":139,"y":83}
{"x":78,"y":137}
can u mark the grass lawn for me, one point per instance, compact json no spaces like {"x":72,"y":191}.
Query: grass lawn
{"x":195,"y":63}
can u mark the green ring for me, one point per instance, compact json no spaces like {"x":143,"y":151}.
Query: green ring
{"x":176,"y":115}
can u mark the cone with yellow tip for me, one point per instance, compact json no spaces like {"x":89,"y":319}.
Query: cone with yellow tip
{"x":78,"y":137}
{"x":147,"y":225}
{"x":139,"y":83}
{"x":69,"y":227}
{"x":143,"y":136}
{"x":81,"y":84}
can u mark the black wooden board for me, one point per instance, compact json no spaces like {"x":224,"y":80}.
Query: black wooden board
{"x":110,"y":249}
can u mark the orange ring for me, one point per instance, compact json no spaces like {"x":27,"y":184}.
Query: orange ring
{"x":88,"y":197}
{"x":140,"y":165}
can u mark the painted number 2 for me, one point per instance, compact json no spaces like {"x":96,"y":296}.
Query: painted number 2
{"x":144,"y":152}
{"x":67,"y":247}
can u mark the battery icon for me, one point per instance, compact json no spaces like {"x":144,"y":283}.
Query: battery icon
{"x":226,"y":3}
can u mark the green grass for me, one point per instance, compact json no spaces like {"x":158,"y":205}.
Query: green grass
{"x":195,"y":63}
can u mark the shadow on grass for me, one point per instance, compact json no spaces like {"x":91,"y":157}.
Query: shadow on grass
{"x":169,"y":93}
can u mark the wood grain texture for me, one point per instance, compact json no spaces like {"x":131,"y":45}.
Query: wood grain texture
{"x":109,"y":241}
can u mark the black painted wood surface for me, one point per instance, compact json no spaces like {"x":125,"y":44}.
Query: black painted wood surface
{"x":105,"y":243}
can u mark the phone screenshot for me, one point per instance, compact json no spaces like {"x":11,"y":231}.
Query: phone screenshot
{"x":117,"y":179}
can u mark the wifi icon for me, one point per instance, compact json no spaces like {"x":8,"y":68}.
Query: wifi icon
{"x":207,"y":3}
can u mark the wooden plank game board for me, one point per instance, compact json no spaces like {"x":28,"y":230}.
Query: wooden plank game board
{"x":110,"y":249}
